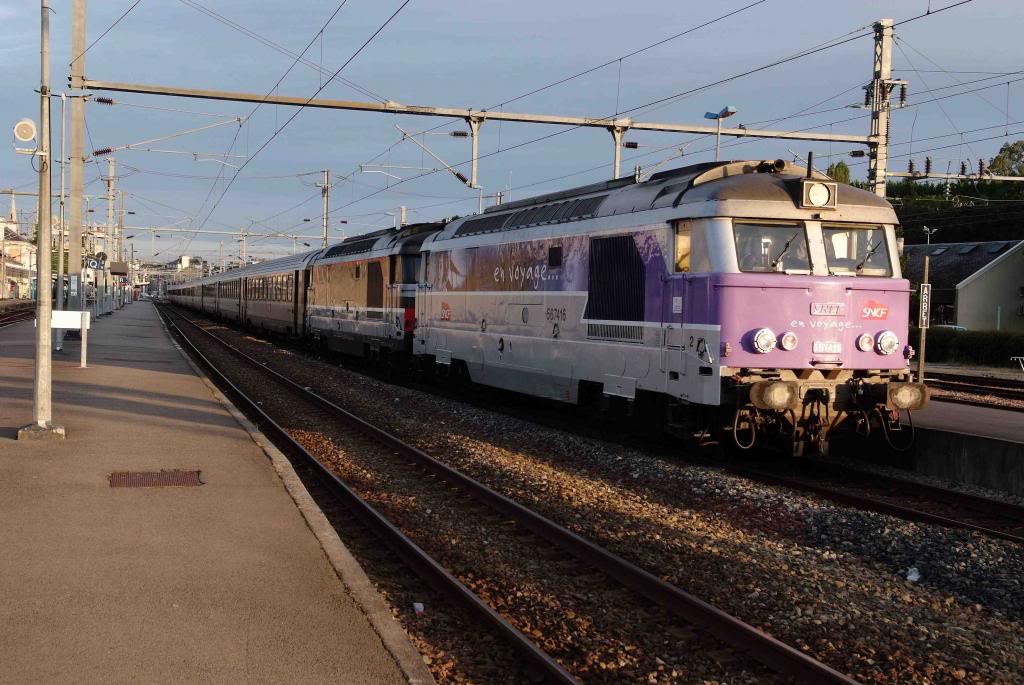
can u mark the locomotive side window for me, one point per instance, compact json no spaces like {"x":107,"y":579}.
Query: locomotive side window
{"x":555,"y":257}
{"x":410,"y":268}
{"x":684,"y":246}
{"x":769,"y":247}
{"x":856,"y":250}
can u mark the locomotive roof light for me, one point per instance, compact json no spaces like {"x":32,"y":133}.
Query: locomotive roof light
{"x":818,"y":194}
{"x":887,"y":342}
{"x":788,"y":341}
{"x":865,"y":343}
{"x":764,"y":340}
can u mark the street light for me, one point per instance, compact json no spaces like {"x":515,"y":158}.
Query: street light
{"x":928,"y":234}
{"x":724,"y":114}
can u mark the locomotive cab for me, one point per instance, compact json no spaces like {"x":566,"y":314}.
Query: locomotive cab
{"x":810,"y":301}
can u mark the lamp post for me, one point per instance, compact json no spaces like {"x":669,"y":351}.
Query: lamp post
{"x":42,"y":407}
{"x":723,"y":114}
{"x":928,"y":234}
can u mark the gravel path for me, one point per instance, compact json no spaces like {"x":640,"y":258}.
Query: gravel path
{"x":827,"y":579}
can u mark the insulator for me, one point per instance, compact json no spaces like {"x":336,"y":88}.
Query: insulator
{"x":102,"y":151}
{"x":963,"y":168}
{"x":103,"y":101}
{"x":927,"y":165}
{"x":867,"y":96}
{"x":903,"y":93}
{"x":462,"y":177}
{"x":459,"y":134}
{"x":910,"y":166}
{"x":631,"y":145}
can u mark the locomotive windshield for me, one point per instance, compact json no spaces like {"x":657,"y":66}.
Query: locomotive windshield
{"x":771,"y":247}
{"x":856,"y":250}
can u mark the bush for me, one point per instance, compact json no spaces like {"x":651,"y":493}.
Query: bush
{"x":987,"y":348}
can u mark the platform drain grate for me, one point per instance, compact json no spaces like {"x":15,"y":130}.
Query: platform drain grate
{"x":154,"y":479}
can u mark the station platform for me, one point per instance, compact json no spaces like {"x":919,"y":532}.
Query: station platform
{"x":227,"y":581}
{"x":986,"y":422}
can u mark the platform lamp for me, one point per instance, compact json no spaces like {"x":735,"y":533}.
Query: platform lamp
{"x":725,"y":113}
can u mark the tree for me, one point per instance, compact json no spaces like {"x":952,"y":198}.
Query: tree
{"x":839,"y":172}
{"x":1009,"y":161}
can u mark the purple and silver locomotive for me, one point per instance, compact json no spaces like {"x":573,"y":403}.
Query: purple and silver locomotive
{"x":754,"y":300}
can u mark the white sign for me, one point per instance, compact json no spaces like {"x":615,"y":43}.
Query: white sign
{"x":924,"y":315}
{"x":69,"y":319}
{"x":73,"y":285}
{"x":677,"y":305}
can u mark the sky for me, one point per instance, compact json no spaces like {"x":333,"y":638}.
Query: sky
{"x":482,"y":55}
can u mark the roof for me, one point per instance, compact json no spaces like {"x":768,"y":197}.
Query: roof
{"x":751,"y":180}
{"x":12,"y":235}
{"x":953,"y":263}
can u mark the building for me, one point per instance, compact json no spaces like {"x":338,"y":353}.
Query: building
{"x":979,"y":286}
{"x":17,"y":263}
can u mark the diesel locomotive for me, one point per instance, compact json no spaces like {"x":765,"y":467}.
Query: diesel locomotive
{"x":755,"y":300}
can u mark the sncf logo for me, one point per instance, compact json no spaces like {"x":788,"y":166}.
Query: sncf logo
{"x":446,"y":311}
{"x":873,"y":309}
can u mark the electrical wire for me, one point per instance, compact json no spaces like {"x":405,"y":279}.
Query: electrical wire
{"x":310,"y":98}
{"x":108,"y":30}
{"x":280,"y":48}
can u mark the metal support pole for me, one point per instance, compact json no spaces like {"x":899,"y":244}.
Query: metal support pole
{"x":62,"y":228}
{"x":718,"y":140}
{"x":327,"y":204}
{"x":76,"y":294}
{"x":474,"y":127}
{"x":108,"y":232}
{"x":880,"y":90}
{"x":42,"y":408}
{"x":923,"y":321}
{"x":617,"y":133}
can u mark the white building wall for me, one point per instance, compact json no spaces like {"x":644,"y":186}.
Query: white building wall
{"x":992,"y":298}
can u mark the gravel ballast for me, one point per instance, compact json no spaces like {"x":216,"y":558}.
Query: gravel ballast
{"x":826,"y":579}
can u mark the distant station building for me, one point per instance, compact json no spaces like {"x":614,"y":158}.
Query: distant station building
{"x":17,"y":263}
{"x":979,"y":286}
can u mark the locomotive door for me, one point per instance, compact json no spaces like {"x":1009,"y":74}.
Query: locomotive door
{"x":392,"y":295}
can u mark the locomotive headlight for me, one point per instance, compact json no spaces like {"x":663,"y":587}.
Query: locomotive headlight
{"x":865,"y":343}
{"x":764,"y":340}
{"x":907,"y":395}
{"x":788,"y":341}
{"x":818,"y":194}
{"x":888,"y":342}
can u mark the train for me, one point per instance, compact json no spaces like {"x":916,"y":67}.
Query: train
{"x":759,"y":301}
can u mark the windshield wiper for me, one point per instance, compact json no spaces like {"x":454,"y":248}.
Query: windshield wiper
{"x":871,"y":252}
{"x":785,"y":249}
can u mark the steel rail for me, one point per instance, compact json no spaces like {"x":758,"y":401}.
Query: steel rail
{"x":746,"y":638}
{"x":861,"y":501}
{"x":9,"y":319}
{"x":413,"y":555}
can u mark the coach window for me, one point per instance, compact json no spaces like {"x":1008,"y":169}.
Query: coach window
{"x":771,"y":247}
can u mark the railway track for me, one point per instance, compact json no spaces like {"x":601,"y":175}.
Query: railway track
{"x":1004,"y":388}
{"x":901,"y":498}
{"x":570,"y":558}
{"x":11,"y":318}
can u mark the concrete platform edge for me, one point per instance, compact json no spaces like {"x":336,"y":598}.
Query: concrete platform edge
{"x":972,"y":459}
{"x":345,"y":565}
